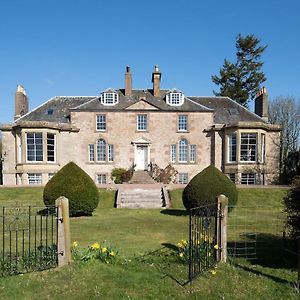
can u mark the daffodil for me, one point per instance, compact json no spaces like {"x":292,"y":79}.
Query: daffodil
{"x":75,"y":244}
{"x":213,"y":272}
{"x":181,"y":254}
{"x":104,"y":249}
{"x":95,"y":246}
{"x":112,"y":253}
{"x":216,"y":246}
{"x":184,"y":242}
{"x":179,"y":245}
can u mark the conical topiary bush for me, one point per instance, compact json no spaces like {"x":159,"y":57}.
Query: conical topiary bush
{"x":206,"y":186}
{"x":73,"y":183}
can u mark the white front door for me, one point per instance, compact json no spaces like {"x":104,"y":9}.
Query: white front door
{"x":141,"y":158}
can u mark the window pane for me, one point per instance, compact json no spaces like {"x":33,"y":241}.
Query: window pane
{"x":183,"y":178}
{"x":232,"y":148}
{"x":110,"y":152}
{"x":101,"y":122}
{"x":34,"y":178}
{"x":34,"y":146}
{"x":50,"y":147}
{"x":173,"y":153}
{"x":248,"y":147}
{"x":91,"y":152}
{"x":193,"y":153}
{"x":101,"y":150}
{"x":248,"y":178}
{"x":182,"y":123}
{"x":142,"y":122}
{"x":183,"y":151}
{"x":101,"y":179}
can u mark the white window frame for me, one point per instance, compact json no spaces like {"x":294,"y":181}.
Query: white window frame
{"x":193,"y":153}
{"x":183,"y":178}
{"x":109,"y":98}
{"x":101,"y":122}
{"x":183,"y":147}
{"x":262,"y":148}
{"x":175,"y":98}
{"x":50,"y":175}
{"x":173,"y":153}
{"x":34,"y":145}
{"x":110,"y":152}
{"x":91,"y":152}
{"x":101,"y":178}
{"x":34,"y":178}
{"x":182,"y":123}
{"x":101,"y":150}
{"x":232,"y":177}
{"x":248,"y":178}
{"x":142,"y":122}
{"x":49,"y":148}
{"x":232,"y":147}
{"x":246,"y":148}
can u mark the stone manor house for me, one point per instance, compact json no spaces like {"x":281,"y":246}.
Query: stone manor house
{"x":140,"y":127}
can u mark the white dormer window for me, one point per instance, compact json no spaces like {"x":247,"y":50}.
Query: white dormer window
{"x":109,"y":98}
{"x":175,"y":98}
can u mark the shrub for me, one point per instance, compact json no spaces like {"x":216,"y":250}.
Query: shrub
{"x":117,"y":174}
{"x":206,"y":186}
{"x":120,"y":175}
{"x":292,"y":207}
{"x":76,"y":185}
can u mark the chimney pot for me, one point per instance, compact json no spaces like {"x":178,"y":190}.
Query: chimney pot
{"x":21,"y":102}
{"x":156,"y":77}
{"x":128,"y":82}
{"x":261,"y":104}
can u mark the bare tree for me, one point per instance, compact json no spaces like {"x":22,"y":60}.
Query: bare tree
{"x":285,"y":111}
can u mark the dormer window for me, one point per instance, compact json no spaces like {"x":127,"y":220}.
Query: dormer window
{"x":175,"y":98}
{"x":109,"y":98}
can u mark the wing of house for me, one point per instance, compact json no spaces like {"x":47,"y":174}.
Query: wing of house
{"x":125,"y":127}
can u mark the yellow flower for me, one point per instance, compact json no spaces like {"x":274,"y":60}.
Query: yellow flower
{"x":112,"y":253}
{"x":95,"y":246}
{"x":180,"y":245}
{"x":213,"y":272}
{"x":184,"y":242}
{"x":216,"y":246}
{"x":209,"y":254}
{"x":75,"y":244}
{"x":104,"y":249}
{"x":181,"y":254}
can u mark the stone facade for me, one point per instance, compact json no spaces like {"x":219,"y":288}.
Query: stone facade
{"x":140,"y":127}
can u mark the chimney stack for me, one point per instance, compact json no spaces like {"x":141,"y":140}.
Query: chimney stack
{"x":21,"y":102}
{"x":128,"y":82}
{"x":156,"y":76}
{"x":261,"y":104}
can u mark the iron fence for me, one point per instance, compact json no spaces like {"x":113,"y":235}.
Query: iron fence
{"x":29,"y":238}
{"x":204,"y":239}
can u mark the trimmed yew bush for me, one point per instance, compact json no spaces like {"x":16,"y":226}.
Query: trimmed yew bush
{"x":206,"y":186}
{"x":76,"y":185}
{"x":292,"y":207}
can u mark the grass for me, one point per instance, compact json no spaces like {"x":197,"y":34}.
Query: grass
{"x":140,"y":275}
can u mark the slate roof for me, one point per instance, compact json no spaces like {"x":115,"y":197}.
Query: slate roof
{"x":227,"y":111}
{"x":57,"y":109}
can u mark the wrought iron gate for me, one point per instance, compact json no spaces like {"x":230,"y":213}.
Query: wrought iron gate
{"x":29,"y":239}
{"x":204,"y":239}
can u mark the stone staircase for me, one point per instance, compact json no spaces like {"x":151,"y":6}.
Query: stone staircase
{"x":142,"y":197}
{"x":141,"y":177}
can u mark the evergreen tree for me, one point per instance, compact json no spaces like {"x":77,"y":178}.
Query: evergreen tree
{"x":241,"y":80}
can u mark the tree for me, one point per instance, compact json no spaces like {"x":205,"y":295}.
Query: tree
{"x":241,"y":80}
{"x":285,"y":111}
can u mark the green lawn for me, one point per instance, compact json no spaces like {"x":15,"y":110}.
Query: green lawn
{"x":139,"y":275}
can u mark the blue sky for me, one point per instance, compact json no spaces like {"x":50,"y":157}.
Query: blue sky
{"x":82,"y":47}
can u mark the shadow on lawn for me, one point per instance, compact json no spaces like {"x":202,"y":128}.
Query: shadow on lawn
{"x":268,"y":250}
{"x":174,"y":212}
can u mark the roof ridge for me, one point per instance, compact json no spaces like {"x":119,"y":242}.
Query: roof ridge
{"x":76,"y":107}
{"x":199,"y":104}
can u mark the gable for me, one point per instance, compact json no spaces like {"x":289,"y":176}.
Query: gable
{"x":142,"y":105}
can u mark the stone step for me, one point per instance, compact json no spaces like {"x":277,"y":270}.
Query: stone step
{"x":141,"y":205}
{"x":139,"y":177}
